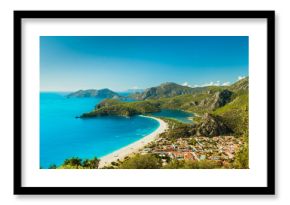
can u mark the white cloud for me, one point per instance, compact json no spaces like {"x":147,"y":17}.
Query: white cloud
{"x":212,"y":83}
{"x":241,"y":77}
{"x":217,"y":83}
{"x":186,"y":84}
{"x":226,"y":83}
{"x":135,"y":87}
{"x":207,"y":84}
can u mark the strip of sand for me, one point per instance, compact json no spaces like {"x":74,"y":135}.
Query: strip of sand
{"x":135,"y":146}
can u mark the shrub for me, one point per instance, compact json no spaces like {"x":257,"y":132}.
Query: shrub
{"x":52,"y":166}
{"x":77,"y":163}
{"x":242,"y":157}
{"x":91,"y":164}
{"x":74,"y":161}
{"x":204,"y":164}
{"x":138,"y":161}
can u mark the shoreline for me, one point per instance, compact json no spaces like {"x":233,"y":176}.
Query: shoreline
{"x":135,"y":146}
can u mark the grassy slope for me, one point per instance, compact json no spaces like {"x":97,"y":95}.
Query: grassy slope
{"x":115,"y":107}
{"x":235,"y":114}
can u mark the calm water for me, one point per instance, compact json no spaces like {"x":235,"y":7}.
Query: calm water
{"x":175,"y":114}
{"x":63,"y":136}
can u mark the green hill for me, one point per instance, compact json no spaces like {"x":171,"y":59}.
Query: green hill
{"x":165,"y":90}
{"x":236,"y":114}
{"x":111,"y":107}
{"x":102,"y":93}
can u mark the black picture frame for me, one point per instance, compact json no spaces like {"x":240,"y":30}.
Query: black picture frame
{"x":268,"y":190}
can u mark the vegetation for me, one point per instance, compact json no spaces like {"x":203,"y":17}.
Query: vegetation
{"x":242,"y":157}
{"x":181,"y":130}
{"x":103,"y":93}
{"x":151,"y":161}
{"x":164,"y":90}
{"x":235,"y":114}
{"x":141,"y":162}
{"x":77,"y":163}
{"x":186,"y":164}
{"x":111,"y":107}
{"x":52,"y":166}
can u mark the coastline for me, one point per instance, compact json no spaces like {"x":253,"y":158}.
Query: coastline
{"x":135,"y":146}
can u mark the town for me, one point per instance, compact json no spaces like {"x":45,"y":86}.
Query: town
{"x":220,"y":148}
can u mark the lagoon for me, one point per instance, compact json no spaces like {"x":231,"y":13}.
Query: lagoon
{"x":178,"y":115}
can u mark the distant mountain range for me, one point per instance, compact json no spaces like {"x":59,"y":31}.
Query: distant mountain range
{"x":168,"y":89}
{"x":216,"y":96}
{"x":102,"y":93}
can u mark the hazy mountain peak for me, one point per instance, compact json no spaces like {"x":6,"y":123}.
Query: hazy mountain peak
{"x":102,"y":93}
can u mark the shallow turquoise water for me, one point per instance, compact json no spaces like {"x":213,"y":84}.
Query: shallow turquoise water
{"x":175,"y":114}
{"x":63,"y":136}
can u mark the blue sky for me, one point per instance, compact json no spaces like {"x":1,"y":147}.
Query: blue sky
{"x":69,"y":63}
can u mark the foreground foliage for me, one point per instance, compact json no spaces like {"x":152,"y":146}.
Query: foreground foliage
{"x":242,"y":157}
{"x":77,"y":163}
{"x":141,"y":162}
{"x":183,"y":164}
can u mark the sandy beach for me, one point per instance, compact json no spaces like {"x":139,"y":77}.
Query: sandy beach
{"x":135,"y":146}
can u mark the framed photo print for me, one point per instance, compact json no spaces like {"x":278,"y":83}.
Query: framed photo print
{"x":144,"y":102}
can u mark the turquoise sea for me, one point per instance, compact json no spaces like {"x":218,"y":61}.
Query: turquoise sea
{"x":63,"y":136}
